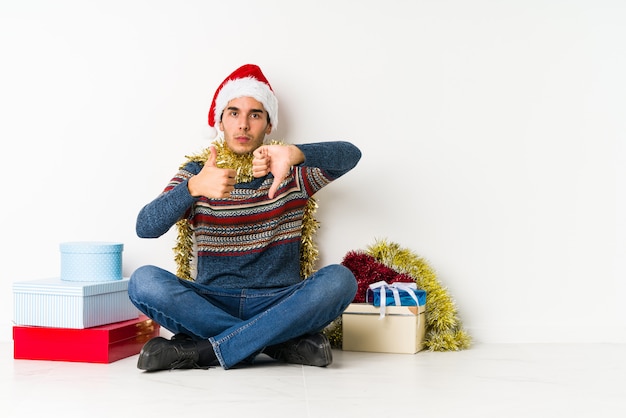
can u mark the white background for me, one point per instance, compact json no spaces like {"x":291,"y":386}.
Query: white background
{"x":493,"y":137}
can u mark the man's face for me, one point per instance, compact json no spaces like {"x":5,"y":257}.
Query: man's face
{"x":245,"y":125}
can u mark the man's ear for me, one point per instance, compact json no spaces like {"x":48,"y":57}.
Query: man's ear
{"x":268,"y":129}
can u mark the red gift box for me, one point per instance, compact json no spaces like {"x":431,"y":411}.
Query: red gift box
{"x":101,"y":344}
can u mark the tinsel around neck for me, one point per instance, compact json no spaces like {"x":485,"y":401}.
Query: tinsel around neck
{"x":184,"y":252}
{"x":226,"y":158}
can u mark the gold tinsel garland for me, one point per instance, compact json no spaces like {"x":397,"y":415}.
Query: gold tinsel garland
{"x":184,"y":253}
{"x":444,"y":331}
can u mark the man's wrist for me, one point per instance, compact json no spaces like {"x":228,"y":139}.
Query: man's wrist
{"x":190,"y":187}
{"x":297,"y":156}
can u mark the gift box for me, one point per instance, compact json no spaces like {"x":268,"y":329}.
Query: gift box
{"x":400,"y":330}
{"x":91,"y":261}
{"x":64,"y":304}
{"x":396,"y":296}
{"x":102,"y":344}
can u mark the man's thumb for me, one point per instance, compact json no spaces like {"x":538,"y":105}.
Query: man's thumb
{"x":212,"y":160}
{"x":273,"y":188}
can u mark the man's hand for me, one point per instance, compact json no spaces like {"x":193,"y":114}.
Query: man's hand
{"x":275,"y":159}
{"x":211,"y":181}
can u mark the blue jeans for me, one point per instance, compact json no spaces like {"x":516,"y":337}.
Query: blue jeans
{"x":239,"y":323}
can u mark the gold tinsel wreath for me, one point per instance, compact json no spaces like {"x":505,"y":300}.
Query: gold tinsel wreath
{"x":444,"y":330}
{"x":184,"y":252}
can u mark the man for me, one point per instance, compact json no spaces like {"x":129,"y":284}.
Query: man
{"x":248,"y":296}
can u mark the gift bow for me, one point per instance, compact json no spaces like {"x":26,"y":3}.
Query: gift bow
{"x":395,"y":290}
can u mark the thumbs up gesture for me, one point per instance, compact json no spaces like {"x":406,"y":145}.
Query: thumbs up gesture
{"x":211,"y":181}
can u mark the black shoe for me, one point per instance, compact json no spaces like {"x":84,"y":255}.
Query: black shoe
{"x":310,"y":350}
{"x":180,"y":336}
{"x":162,"y":354}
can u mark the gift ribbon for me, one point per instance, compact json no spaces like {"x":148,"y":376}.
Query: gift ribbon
{"x":395,"y":290}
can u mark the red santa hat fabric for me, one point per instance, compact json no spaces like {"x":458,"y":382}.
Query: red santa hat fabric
{"x":246,"y":81}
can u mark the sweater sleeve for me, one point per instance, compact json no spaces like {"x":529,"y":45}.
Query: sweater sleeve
{"x":334,"y":158}
{"x":158,"y":216}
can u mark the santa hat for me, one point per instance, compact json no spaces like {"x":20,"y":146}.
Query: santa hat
{"x":245,"y":81}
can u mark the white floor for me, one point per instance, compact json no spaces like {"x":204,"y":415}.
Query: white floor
{"x":484,"y":381}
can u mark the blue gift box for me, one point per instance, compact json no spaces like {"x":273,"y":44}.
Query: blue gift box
{"x":373,"y":296}
{"x":91,"y":261}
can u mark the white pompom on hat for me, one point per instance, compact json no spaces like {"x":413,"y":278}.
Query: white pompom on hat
{"x":245,"y":81}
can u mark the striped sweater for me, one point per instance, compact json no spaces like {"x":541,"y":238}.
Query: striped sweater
{"x":249,"y":240}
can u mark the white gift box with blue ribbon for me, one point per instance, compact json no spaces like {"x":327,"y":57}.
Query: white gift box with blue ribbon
{"x":67,"y":304}
{"x":390,"y":327}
